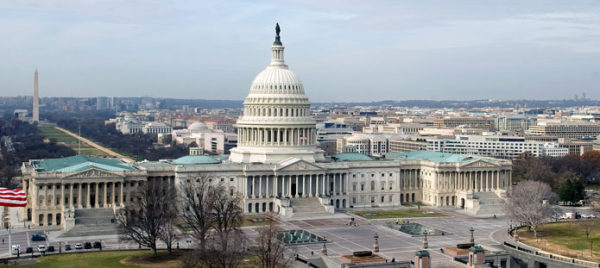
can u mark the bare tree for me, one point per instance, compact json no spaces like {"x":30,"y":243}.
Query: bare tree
{"x":197,"y":206}
{"x":269,"y":249}
{"x":169,"y":232}
{"x":228,"y":215}
{"x":225,"y":254}
{"x":525,"y":203}
{"x":588,"y":226}
{"x":143,"y":221}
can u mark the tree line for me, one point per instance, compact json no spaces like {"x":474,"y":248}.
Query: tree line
{"x":20,"y":142}
{"x":214,"y":216}
{"x":566,"y":175}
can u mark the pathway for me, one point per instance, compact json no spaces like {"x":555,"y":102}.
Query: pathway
{"x":95,"y":145}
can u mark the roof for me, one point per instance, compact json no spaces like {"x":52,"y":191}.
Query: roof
{"x":434,"y":157}
{"x":79,"y":163}
{"x":352,"y":157}
{"x":196,"y":159}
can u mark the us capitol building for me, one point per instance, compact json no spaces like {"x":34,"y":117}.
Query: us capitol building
{"x":276,"y":167}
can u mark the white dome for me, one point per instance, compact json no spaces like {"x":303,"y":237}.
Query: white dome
{"x":197,"y":126}
{"x":277,"y":80}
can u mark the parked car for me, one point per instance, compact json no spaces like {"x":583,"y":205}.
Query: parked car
{"x":29,"y":250}
{"x":38,"y":237}
{"x":15,"y":249}
{"x":50,"y":249}
{"x":67,"y":247}
{"x":42,"y":248}
{"x":97,"y":244}
{"x":78,"y":246}
{"x":87,"y":245}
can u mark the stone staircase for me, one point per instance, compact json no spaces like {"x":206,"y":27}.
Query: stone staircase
{"x":92,"y":222}
{"x":489,"y":203}
{"x":307,"y":207}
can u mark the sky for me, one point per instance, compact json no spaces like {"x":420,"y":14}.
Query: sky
{"x":342,"y":50}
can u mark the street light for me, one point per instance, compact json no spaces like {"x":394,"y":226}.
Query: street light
{"x":472,"y":240}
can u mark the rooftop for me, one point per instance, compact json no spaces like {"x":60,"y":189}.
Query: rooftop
{"x":79,"y":163}
{"x":434,"y":157}
{"x":352,"y":157}
{"x":196,"y":159}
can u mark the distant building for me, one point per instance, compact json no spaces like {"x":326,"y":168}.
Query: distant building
{"x":400,"y":145}
{"x":101,"y":103}
{"x":473,"y":122}
{"x":574,"y":130}
{"x":156,"y":128}
{"x":515,"y":123}
{"x":367,"y":144}
{"x":505,"y":147}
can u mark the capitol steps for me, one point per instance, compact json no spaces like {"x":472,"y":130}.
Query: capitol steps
{"x":307,"y":207}
{"x":489,"y":203}
{"x":93,"y":222}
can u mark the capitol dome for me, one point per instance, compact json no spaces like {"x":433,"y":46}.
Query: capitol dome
{"x":277,"y":123}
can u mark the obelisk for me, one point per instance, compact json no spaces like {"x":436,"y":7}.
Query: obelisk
{"x":36,"y":96}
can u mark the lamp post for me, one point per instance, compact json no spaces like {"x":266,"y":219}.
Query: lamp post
{"x":425,"y":242}
{"x":376,"y":245}
{"x":59,"y":247}
{"x":472,"y":240}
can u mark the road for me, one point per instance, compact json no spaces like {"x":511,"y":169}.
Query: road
{"x":95,"y":145}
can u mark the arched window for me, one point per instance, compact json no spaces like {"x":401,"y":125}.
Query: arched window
{"x":372,"y":185}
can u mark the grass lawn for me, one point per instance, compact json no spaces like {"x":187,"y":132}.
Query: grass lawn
{"x":413,"y":204}
{"x":401,"y":213}
{"x":50,"y":132}
{"x":92,"y":259}
{"x":564,"y":238}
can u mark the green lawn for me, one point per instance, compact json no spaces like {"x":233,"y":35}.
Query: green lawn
{"x":564,"y":238}
{"x":51,"y":132}
{"x":401,"y":213}
{"x":92,"y":259}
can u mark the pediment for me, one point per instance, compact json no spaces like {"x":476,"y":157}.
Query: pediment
{"x":297,"y":165}
{"x":94,"y":173}
{"x":479,"y":163}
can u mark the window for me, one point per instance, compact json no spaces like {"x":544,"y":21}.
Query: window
{"x":231,"y":179}
{"x":382,"y":198}
{"x":372,"y":185}
{"x":353,"y":200}
{"x":362,"y":187}
{"x":354,"y":187}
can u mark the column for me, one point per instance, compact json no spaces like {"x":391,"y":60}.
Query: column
{"x":121,"y":194}
{"x":62,"y":195}
{"x":71,"y":195}
{"x":272,"y":138}
{"x":53,"y":192}
{"x":253,"y":186}
{"x":104,"y":203}
{"x":310,"y":184}
{"x":87,"y":204}
{"x":79,"y":202}
{"x":260,"y":190}
{"x":276,"y":185}
{"x":97,"y":195}
{"x":112,"y":195}
{"x":509,"y":178}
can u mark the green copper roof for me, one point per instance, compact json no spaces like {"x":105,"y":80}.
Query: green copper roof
{"x":195,"y":159}
{"x":352,"y":157}
{"x":79,"y":163}
{"x":434,"y":157}
{"x":422,"y":253}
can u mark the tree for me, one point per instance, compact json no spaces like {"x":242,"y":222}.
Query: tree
{"x":571,"y":190}
{"x":525,"y":204}
{"x":269,"y":249}
{"x":143,"y":221}
{"x":197,"y":207}
{"x":588,"y":226}
{"x":228,"y":214}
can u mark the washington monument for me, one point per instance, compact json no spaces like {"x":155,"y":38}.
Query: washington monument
{"x":36,"y":96}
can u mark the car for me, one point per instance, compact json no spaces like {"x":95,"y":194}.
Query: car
{"x":38,"y":237}
{"x":67,"y":247}
{"x":29,"y":250}
{"x":42,"y":248}
{"x":78,"y":246}
{"x":15,"y":249}
{"x":50,"y":249}
{"x":87,"y":245}
{"x":97,"y":244}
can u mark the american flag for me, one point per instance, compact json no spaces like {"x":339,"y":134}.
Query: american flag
{"x":302,"y":138}
{"x":12,"y":198}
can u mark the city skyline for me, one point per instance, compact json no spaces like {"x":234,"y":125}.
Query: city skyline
{"x":390,"y":51}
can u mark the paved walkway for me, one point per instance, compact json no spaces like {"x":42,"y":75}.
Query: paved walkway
{"x":95,"y":145}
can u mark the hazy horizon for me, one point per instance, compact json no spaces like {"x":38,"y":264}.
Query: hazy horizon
{"x":344,"y":51}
